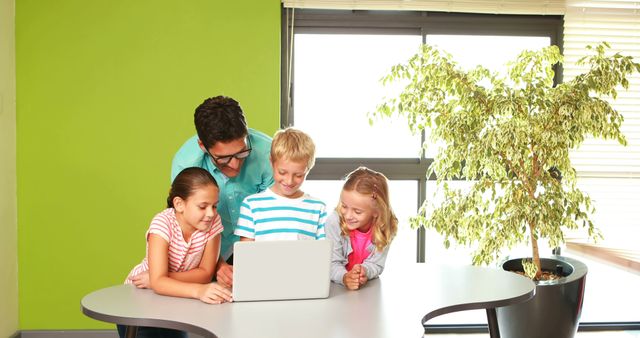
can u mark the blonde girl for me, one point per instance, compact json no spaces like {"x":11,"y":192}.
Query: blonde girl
{"x":361,"y":229}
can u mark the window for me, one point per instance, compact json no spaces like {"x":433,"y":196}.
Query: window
{"x":331,"y":70}
{"x":332,"y":61}
{"x":345,"y":70}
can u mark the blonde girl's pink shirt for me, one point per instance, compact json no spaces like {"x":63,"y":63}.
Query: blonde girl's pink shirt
{"x":359,"y":243}
{"x":183,"y":255}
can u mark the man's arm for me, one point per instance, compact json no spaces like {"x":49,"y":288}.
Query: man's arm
{"x":224,"y":273}
{"x":267,"y":178}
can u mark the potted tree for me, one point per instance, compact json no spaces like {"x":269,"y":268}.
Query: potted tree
{"x":511,"y":136}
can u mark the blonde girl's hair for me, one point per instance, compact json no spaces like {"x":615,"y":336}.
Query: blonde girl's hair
{"x":374,"y":184}
{"x":294,"y":145}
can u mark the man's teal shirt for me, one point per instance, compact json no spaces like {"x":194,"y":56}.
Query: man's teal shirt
{"x":255,"y":176}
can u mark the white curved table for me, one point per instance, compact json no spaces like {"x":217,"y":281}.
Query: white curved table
{"x":396,"y":305}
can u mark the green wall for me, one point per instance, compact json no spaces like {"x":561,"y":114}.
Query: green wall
{"x":8,"y":221}
{"x":105,"y":96}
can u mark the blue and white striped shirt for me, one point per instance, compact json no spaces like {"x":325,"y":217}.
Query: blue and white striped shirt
{"x":266,"y":216}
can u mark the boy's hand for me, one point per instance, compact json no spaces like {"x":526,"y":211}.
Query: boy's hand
{"x":214,"y":293}
{"x":224,"y":274}
{"x":141,"y":280}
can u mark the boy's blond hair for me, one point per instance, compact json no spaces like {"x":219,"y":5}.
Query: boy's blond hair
{"x":293,"y":145}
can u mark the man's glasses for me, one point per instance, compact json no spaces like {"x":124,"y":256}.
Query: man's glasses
{"x":224,"y":160}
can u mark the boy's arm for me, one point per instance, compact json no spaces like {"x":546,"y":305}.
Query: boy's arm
{"x":322,"y":221}
{"x":246,"y":226}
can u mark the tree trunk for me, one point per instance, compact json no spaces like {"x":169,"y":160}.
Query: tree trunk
{"x":535,"y":253}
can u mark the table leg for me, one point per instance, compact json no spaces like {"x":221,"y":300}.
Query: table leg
{"x":492,"y":320}
{"x":131,"y":332}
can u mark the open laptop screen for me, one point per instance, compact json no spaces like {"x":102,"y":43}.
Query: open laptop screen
{"x":277,"y":270}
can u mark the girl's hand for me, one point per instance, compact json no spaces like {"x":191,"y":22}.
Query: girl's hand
{"x":356,"y":278}
{"x":351,"y":279}
{"x":363,"y":276}
{"x":141,"y":281}
{"x":214,"y":293}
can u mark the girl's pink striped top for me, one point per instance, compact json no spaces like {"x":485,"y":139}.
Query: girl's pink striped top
{"x":183,"y":256}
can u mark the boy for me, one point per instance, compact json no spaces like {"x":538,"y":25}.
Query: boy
{"x":284,"y":212}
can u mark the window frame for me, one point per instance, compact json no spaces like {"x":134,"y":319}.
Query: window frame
{"x":397,"y":22}
{"x":410,"y":22}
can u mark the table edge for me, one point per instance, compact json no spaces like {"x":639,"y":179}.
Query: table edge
{"x":479,"y":305}
{"x":150,"y":322}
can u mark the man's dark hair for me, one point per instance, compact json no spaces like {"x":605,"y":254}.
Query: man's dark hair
{"x":218,"y":119}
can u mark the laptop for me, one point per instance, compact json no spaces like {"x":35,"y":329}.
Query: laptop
{"x":279,"y":270}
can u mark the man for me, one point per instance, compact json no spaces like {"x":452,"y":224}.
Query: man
{"x":237,"y":157}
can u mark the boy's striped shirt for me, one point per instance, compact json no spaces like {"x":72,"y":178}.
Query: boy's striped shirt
{"x":268,"y":216}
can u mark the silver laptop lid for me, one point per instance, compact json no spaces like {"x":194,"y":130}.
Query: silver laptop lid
{"x":277,"y":270}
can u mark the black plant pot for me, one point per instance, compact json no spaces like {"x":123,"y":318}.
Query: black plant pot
{"x":554,"y":312}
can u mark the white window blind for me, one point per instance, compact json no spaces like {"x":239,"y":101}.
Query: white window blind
{"x":617,"y":22}
{"x":607,"y":171}
{"x":549,"y":7}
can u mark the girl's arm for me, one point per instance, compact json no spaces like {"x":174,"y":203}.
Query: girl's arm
{"x":204,"y":272}
{"x":162,"y":284}
{"x":374,"y":264}
{"x":338,"y":251}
